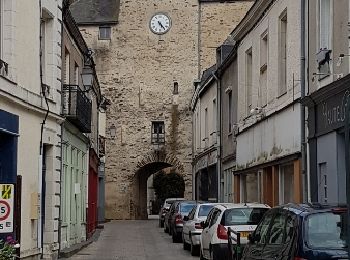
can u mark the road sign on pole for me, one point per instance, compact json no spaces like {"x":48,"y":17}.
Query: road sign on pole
{"x":6,"y":208}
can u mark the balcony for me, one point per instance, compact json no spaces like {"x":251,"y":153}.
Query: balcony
{"x":77,"y":107}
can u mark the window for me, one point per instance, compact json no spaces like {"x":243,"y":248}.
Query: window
{"x":286,"y":185}
{"x":214,"y":118}
{"x":323,"y":183}
{"x":66,"y":66}
{"x":158,"y":133}
{"x":250,"y":189}
{"x":327,"y":230}
{"x":243,"y":216}
{"x":277,"y":230}
{"x":324,"y":37}
{"x":214,"y":217}
{"x":282,"y":54}
{"x":230,"y":112}
{"x":206,"y":130}
{"x":249,"y":79}
{"x":104,"y":33}
{"x":204,"y":210}
{"x":46,"y":46}
{"x":261,"y":231}
{"x":176,"y":88}
{"x":263,"y":69}
{"x":76,"y":74}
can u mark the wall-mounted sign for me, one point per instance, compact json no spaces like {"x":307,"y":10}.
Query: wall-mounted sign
{"x":6,"y":207}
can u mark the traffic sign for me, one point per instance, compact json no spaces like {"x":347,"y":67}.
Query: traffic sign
{"x":6,"y":208}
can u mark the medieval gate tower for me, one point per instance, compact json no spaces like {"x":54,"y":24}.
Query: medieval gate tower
{"x":148,"y":55}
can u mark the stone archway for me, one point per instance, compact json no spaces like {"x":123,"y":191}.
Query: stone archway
{"x":148,"y":165}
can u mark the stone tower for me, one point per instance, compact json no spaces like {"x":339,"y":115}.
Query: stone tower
{"x":149,"y":78}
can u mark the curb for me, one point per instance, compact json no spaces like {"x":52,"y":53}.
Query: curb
{"x":68,"y":252}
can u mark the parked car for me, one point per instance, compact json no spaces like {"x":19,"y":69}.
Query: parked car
{"x":240,"y":217}
{"x":300,"y":231}
{"x":165,"y":208}
{"x":192,"y":228}
{"x":181,"y":209}
{"x":167,"y":216}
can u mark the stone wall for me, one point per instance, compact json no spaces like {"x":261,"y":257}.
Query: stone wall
{"x":137,"y":70}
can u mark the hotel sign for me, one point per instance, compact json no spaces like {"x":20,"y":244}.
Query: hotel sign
{"x":331,"y":113}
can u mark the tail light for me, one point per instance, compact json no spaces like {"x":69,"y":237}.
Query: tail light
{"x":221,"y":232}
{"x":178,"y":219}
{"x":299,"y":258}
{"x":198,"y":226}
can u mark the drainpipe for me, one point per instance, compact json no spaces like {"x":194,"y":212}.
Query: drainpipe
{"x":218,"y":133}
{"x":302,"y":110}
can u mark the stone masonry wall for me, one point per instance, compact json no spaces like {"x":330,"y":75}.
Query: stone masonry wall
{"x":217,"y":21}
{"x":137,"y":70}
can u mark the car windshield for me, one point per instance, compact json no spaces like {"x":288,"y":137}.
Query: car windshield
{"x":243,"y":216}
{"x":327,"y":230}
{"x":204,"y":210}
{"x":186,"y":208}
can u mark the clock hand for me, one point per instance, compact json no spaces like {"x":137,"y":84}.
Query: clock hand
{"x":161,"y":25}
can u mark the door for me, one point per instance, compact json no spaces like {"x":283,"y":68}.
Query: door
{"x":205,"y":234}
{"x":254,"y":250}
{"x":211,"y":231}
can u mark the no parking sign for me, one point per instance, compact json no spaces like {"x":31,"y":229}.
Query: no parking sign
{"x":6,"y":208}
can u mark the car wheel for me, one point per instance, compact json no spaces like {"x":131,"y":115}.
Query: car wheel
{"x":194,"y":249}
{"x":161,"y":223}
{"x":173,"y":236}
{"x":213,"y":256}
{"x":185,"y":245}
{"x":166,"y":229}
{"x":201,"y":257}
{"x":170,"y":231}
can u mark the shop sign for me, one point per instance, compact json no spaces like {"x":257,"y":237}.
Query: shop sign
{"x":331,"y":113}
{"x":206,"y":160}
{"x":6,"y":208}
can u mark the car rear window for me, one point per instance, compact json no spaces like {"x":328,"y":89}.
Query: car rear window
{"x":186,"y":208}
{"x":204,"y":210}
{"x":327,"y":230}
{"x":243,"y":216}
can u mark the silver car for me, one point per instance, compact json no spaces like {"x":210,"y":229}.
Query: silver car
{"x":192,"y":228}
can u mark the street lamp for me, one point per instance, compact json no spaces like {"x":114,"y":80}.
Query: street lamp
{"x":87,"y":77}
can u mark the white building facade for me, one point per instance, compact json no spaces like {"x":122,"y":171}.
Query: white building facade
{"x":268,"y":132}
{"x":30,"y":95}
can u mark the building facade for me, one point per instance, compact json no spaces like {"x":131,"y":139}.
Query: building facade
{"x":148,"y":73}
{"x":205,"y":143}
{"x":327,"y":102}
{"x":81,"y":99}
{"x":268,"y":166}
{"x":30,"y":117}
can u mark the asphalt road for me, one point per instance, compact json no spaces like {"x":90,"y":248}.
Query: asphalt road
{"x":133,"y":240}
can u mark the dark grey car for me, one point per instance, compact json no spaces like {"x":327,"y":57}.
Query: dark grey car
{"x":177,"y":213}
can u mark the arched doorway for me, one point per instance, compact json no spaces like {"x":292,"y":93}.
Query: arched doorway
{"x":149,"y":165}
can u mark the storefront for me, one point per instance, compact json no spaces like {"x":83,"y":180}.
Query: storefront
{"x":206,"y":177}
{"x":326,"y":141}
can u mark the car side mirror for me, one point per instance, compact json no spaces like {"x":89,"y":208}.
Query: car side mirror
{"x":186,"y":218}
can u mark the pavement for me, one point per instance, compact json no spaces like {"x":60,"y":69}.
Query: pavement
{"x":133,"y":240}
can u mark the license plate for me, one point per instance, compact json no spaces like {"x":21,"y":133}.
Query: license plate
{"x":244,"y":234}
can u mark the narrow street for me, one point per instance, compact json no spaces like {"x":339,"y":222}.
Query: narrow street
{"x":133,"y":240}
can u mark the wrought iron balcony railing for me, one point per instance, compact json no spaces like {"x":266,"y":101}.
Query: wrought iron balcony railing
{"x":77,"y":107}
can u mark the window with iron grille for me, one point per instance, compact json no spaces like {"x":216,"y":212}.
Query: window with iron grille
{"x":158,"y":133}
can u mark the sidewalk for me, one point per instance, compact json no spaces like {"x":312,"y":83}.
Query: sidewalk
{"x":68,"y":252}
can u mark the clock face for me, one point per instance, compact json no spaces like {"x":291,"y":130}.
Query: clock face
{"x":160,"y":23}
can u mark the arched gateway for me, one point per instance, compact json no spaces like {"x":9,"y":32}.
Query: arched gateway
{"x":150,"y":164}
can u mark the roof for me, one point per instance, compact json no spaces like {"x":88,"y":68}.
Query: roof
{"x":310,"y":207}
{"x":90,"y":12}
{"x":241,"y":205}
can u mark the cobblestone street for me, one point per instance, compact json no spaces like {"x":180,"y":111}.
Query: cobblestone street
{"x":133,"y":240}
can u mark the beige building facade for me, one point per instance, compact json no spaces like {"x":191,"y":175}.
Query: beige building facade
{"x":149,"y":79}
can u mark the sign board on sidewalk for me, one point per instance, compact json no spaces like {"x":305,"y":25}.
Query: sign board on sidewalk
{"x":6,"y":208}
